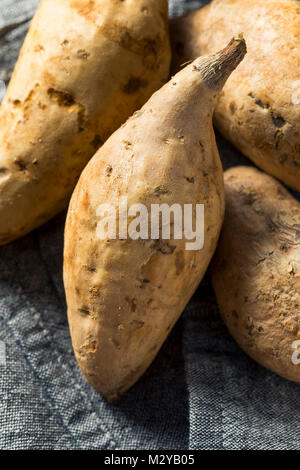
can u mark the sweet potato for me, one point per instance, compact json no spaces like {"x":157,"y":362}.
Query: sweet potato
{"x":256,"y":269}
{"x":85,"y":67}
{"x":259,"y":109}
{"x":125,"y":295}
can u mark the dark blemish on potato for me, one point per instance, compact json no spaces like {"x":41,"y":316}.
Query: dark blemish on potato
{"x":128,"y":145}
{"x":258,"y":102}
{"x":132,"y":303}
{"x":31,"y":94}
{"x":63,"y":98}
{"x":249,"y":326}
{"x":143,"y":282}
{"x":108,"y":170}
{"x":39,"y":48}
{"x":90,"y":269}
{"x":133,"y":85}
{"x":278,"y":121}
{"x":97,"y":142}
{"x":94,"y":291}
{"x":66,"y":100}
{"x":190,"y":180}
{"x":161,"y":190}
{"x":278,"y":136}
{"x":179,"y":262}
{"x":260,"y":329}
{"x":262,"y":105}
{"x":3,"y":171}
{"x":232,"y":107}
{"x":17,"y":103}
{"x":137,"y":324}
{"x":163,"y":247}
{"x":42,"y":106}
{"x":65,"y":42}
{"x":84,"y":310}
{"x":83,"y":54}
{"x":201,"y":146}
{"x":81,"y":120}
{"x":22,"y":166}
{"x":261,"y":260}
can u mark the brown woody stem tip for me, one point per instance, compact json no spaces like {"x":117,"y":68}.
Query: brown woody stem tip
{"x":215,"y":69}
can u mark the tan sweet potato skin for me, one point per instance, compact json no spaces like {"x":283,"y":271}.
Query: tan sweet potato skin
{"x":85,"y":67}
{"x":259,"y":109}
{"x":256,"y":269}
{"x":124,"y":296}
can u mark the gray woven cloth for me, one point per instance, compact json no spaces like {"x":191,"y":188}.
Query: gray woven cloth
{"x":202,"y":391}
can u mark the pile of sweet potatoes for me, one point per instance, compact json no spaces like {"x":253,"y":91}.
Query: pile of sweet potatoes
{"x":87,"y":67}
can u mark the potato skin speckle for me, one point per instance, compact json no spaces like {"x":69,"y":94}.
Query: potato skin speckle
{"x":256,"y":269}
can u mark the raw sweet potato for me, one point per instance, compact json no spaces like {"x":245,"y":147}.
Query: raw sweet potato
{"x":259,"y":109}
{"x":256,"y":269}
{"x":85,"y":67}
{"x":125,"y":295}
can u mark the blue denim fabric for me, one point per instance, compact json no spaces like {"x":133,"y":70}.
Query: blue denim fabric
{"x":201,"y":392}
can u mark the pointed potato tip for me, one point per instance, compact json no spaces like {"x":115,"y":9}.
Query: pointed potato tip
{"x":235,"y":51}
{"x":216,"y":68}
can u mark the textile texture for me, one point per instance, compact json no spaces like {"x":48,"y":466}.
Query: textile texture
{"x":201,"y":392}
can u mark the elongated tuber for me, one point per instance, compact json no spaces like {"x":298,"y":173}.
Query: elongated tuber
{"x":85,"y":67}
{"x":124,"y":295}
